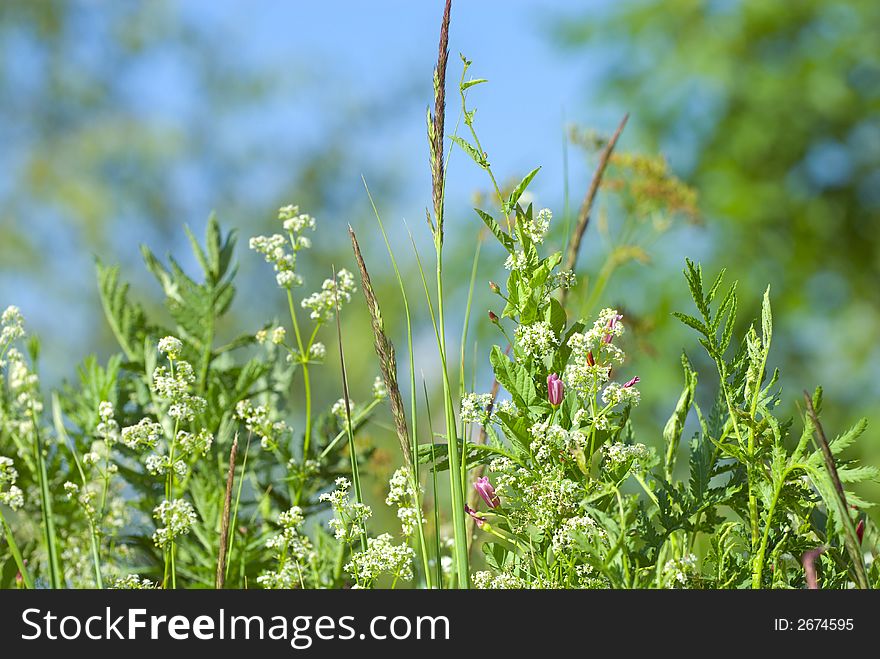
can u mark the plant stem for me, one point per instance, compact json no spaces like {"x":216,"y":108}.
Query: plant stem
{"x":305,"y":370}
{"x":46,"y":504}
{"x":16,"y":553}
{"x":455,"y":474}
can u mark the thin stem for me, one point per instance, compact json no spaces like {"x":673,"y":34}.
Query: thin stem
{"x":16,"y":553}
{"x":46,"y":504}
{"x":305,"y":370}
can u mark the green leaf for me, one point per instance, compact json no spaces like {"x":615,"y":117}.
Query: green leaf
{"x":675,"y":425}
{"x":519,"y":189}
{"x":471,"y":150}
{"x":514,"y":378}
{"x":126,"y":319}
{"x":556,"y":316}
{"x":690,"y":321}
{"x":504,"y":238}
{"x":472,"y":83}
{"x":766,"y":319}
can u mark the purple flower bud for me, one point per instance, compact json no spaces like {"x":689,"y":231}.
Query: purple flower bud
{"x":493,"y":317}
{"x":473,"y":513}
{"x":860,"y":530}
{"x":632,"y":382}
{"x":487,"y":492}
{"x":555,"y":389}
{"x":612,"y":323}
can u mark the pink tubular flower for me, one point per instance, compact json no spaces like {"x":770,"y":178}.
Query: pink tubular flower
{"x":555,"y":389}
{"x":860,"y":530}
{"x":476,"y":517}
{"x":612,"y":323}
{"x":632,"y":382}
{"x":487,"y":492}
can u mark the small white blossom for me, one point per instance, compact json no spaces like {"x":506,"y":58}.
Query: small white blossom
{"x":536,"y":340}
{"x":379,"y":390}
{"x":258,"y":421}
{"x":475,"y":408}
{"x":170,"y":347}
{"x":12,"y":324}
{"x":323,"y":303}
{"x":143,"y":436}
{"x":175,"y":518}
{"x":382,"y":557}
{"x":10,"y":494}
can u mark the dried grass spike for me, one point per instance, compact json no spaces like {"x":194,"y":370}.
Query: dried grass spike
{"x":385,"y":352}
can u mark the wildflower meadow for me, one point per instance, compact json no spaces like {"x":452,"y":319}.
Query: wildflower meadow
{"x":193,"y":458}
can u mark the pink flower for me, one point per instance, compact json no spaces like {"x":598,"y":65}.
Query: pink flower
{"x":473,"y":513}
{"x":612,"y":323}
{"x":632,"y":382}
{"x":487,"y":492}
{"x":860,"y":530}
{"x":555,"y":389}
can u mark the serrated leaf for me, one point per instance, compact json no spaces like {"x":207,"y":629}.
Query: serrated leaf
{"x":692,"y":322}
{"x":126,"y":319}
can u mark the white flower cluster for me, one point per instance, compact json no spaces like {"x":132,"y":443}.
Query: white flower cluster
{"x":517,"y":262}
{"x":132,"y":582}
{"x":143,"y":436}
{"x":485,"y":580}
{"x":400,"y":494}
{"x":593,"y":354}
{"x":537,"y":339}
{"x":11,"y":326}
{"x":173,"y":386}
{"x":10,"y":494}
{"x":617,"y":394}
{"x":323,"y":303}
{"x":24,"y":388}
{"x":175,"y":518}
{"x":382,"y":556}
{"x":349,"y":516}
{"x":274,"y":247}
{"x":258,"y":421}
{"x":679,"y":572}
{"x":187,"y":446}
{"x":338,"y":409}
{"x":295,"y":223}
{"x":536,"y":498}
{"x":107,"y":428}
{"x":575,"y":530}
{"x":552,"y":439}
{"x":171,"y":347}
{"x":475,"y":408}
{"x":564,"y":279}
{"x":379,"y":389}
{"x":84,"y":496}
{"x":635,"y":455}
{"x":293,"y":550}
{"x":536,"y":228}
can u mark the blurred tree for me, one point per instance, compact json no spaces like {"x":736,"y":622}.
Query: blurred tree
{"x":120,"y":122}
{"x":772,"y":111}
